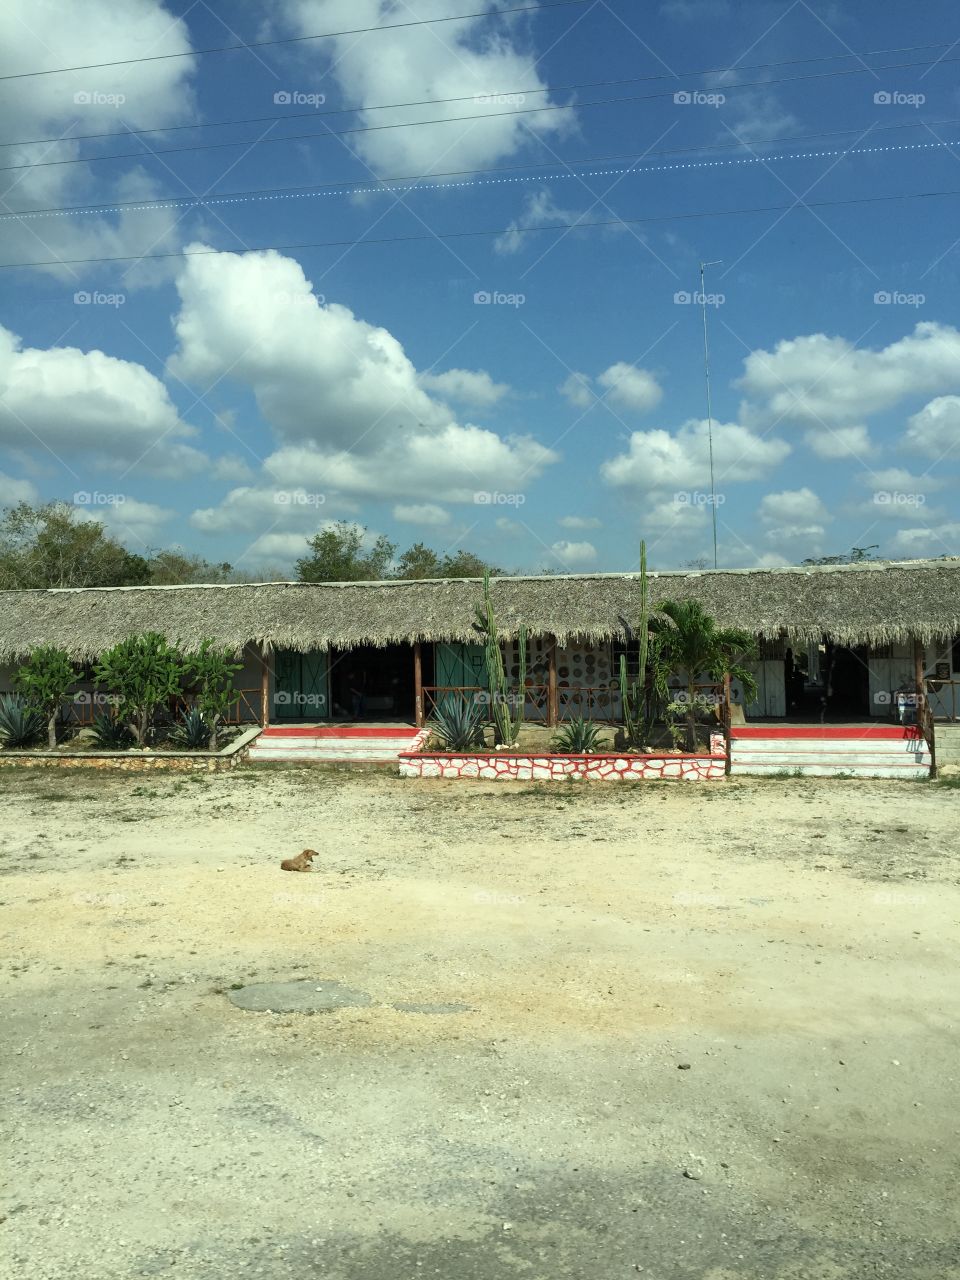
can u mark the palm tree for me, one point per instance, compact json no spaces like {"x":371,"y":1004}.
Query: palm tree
{"x":688,"y":642}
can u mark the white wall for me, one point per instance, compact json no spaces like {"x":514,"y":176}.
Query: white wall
{"x":945,"y":702}
{"x":887,"y":674}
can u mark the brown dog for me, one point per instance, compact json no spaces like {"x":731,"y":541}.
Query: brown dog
{"x":300,"y":863}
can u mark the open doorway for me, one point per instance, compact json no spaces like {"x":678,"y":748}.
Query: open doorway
{"x":846,"y":682}
{"x":371,"y":684}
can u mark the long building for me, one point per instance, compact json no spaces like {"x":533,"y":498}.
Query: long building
{"x":836,"y":643}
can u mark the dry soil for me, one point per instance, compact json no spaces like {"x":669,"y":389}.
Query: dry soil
{"x":712,"y":1029}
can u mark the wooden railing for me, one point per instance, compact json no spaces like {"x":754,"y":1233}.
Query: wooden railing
{"x":82,"y":709}
{"x":936,"y":689}
{"x":592,"y":702}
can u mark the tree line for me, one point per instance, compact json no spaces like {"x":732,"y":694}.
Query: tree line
{"x":52,"y":546}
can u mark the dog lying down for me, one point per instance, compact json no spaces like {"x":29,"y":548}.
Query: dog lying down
{"x":300,"y":863}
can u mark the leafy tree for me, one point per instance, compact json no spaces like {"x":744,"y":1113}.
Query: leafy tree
{"x":466,"y":565}
{"x":687,"y":640}
{"x":144,"y":672}
{"x":51,"y":546}
{"x":337,"y":555}
{"x":173,"y":567}
{"x":420,"y":561}
{"x":44,"y":680}
{"x":209,"y":673}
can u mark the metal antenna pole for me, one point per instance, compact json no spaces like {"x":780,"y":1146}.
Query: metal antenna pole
{"x":706,"y":374}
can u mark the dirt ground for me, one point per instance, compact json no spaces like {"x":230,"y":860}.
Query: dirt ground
{"x":712,"y":1029}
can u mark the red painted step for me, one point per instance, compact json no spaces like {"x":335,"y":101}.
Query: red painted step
{"x":333,"y":731}
{"x":898,"y":732}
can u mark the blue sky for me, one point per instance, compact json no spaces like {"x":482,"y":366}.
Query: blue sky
{"x":536,"y":396}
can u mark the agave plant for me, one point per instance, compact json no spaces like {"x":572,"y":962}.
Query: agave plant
{"x":578,"y":738}
{"x":20,"y":724}
{"x":193,"y":731}
{"x":109,"y":733}
{"x":457,"y":725}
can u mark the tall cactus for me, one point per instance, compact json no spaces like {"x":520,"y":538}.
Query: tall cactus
{"x":633,"y":697}
{"x":506,"y":720}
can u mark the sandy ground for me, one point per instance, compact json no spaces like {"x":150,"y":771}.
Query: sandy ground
{"x":713,"y":1029}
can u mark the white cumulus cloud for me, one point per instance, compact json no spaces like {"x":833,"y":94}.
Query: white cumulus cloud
{"x":341,"y":395}
{"x":469,"y":60}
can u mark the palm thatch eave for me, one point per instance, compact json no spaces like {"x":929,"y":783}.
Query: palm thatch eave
{"x":873,"y":604}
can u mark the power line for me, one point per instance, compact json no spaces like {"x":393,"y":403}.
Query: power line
{"x":427,"y":181}
{"x":323,"y":35}
{"x":472,"y":97}
{"x":484,"y":115}
{"x":497,"y":231}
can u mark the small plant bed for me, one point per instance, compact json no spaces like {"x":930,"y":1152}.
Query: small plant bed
{"x":520,"y":766}
{"x":82,"y":751}
{"x":151,"y":703}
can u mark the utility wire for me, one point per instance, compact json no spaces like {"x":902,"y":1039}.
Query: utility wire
{"x":472,"y":97}
{"x":322,"y":35}
{"x":428,"y":181}
{"x":484,"y":115}
{"x":496,"y":231}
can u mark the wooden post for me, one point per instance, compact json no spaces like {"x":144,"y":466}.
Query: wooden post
{"x":418,"y":684}
{"x":727,"y":723}
{"x":264,"y":689}
{"x":553,"y":698}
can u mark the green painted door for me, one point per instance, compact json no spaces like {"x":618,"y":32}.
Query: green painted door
{"x":460,"y":665}
{"x":301,"y":686}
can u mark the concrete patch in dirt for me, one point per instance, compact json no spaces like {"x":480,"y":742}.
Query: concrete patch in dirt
{"x":305,"y":995}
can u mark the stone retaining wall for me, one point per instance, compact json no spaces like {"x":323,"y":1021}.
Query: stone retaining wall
{"x":136,"y":761}
{"x":556,"y":768}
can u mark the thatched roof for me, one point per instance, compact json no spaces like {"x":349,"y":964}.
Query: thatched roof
{"x":851,"y":604}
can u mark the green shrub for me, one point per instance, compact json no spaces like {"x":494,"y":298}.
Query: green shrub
{"x":192,"y":732}
{"x":20,"y":724}
{"x":210,"y":673}
{"x":145,"y":673}
{"x":111,"y":734}
{"x":44,"y":680}
{"x":578,"y":738}
{"x":457,"y":725}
